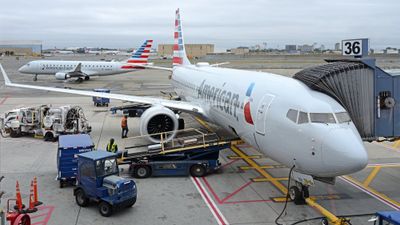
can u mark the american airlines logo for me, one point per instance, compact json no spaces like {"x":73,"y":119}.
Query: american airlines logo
{"x":224,"y":100}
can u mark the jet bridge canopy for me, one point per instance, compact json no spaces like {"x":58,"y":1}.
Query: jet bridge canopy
{"x":367,"y":92}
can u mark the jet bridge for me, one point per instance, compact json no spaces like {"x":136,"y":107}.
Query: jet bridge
{"x":367,"y":92}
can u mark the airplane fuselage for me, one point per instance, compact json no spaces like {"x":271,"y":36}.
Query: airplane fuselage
{"x":256,"y":105}
{"x":89,"y":68}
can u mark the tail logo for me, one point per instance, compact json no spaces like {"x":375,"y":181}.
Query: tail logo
{"x":178,"y":41}
{"x":141,"y":55}
{"x":248,"y":100}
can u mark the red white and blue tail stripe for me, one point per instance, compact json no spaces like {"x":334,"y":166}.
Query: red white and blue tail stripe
{"x":141,"y":55}
{"x":179,"y":53}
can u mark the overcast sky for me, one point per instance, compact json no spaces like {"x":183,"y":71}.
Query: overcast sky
{"x":226,"y":23}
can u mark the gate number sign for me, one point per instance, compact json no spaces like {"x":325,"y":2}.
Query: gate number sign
{"x":355,"y":47}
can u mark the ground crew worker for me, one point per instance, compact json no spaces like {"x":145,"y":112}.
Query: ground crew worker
{"x":124,"y":126}
{"x":112,"y":146}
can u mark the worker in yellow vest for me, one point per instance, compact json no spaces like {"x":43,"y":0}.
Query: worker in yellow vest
{"x":112,"y":146}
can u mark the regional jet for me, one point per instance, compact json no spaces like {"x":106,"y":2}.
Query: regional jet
{"x":83,"y":70}
{"x":283,"y":118}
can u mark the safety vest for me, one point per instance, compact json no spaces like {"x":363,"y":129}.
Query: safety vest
{"x":113,"y":148}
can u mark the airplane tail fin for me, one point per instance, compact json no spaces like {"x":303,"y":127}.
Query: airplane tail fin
{"x":179,"y":53}
{"x":141,"y":55}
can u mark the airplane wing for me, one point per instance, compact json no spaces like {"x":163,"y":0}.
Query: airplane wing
{"x":150,"y":66}
{"x":177,"y":105}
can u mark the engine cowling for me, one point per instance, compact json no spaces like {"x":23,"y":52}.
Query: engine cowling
{"x":156,"y":120}
{"x":61,"y":76}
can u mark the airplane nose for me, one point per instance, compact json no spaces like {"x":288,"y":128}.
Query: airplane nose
{"x":343,"y":152}
{"x":21,"y":69}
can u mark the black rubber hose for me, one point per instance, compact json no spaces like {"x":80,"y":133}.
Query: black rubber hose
{"x":287,"y":197}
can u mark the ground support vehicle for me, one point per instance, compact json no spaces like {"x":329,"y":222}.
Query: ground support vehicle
{"x":44,"y":121}
{"x":98,"y":180}
{"x":69,"y":146}
{"x":98,"y":101}
{"x":192,"y":151}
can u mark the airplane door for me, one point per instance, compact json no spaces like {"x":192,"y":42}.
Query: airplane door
{"x":262,"y":113}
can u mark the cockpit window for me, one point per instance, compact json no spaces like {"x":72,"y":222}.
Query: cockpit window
{"x":292,"y":115}
{"x":303,"y":117}
{"x":322,"y":118}
{"x":343,"y":117}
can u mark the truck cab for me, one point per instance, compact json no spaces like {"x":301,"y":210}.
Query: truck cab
{"x":98,"y":180}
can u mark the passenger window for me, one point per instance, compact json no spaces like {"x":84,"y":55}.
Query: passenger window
{"x":292,"y":115}
{"x":322,"y":118}
{"x":303,"y":117}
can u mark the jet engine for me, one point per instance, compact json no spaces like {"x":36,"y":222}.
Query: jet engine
{"x":158,"y":119}
{"x":61,"y":76}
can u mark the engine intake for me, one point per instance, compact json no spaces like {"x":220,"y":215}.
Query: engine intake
{"x":61,"y":76}
{"x":157,"y":120}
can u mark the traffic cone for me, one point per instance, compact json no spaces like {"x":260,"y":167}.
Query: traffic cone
{"x":31,"y":200}
{"x":18,"y":197}
{"x":35,"y":192}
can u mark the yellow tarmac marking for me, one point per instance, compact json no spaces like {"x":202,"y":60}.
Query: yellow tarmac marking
{"x":263,"y":167}
{"x":386,"y":198}
{"x":204,"y":123}
{"x":396,"y":144}
{"x":268,"y":180}
{"x":314,"y":197}
{"x":261,"y":171}
{"x":371,"y":176}
{"x":249,"y":156}
{"x":275,"y":181}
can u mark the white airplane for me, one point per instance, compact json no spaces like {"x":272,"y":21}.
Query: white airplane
{"x":284,"y":119}
{"x":63,"y":70}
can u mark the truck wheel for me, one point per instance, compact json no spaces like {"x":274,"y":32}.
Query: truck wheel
{"x":81,"y":198}
{"x":142,"y":172}
{"x":48,"y":136}
{"x":105,"y":209}
{"x":15,"y":133}
{"x":198,"y":170}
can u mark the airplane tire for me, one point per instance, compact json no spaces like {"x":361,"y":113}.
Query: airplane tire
{"x":296,"y":196}
{"x":87,"y":78}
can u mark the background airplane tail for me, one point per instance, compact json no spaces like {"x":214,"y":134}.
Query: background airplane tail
{"x":141,"y":55}
{"x":179,"y":53}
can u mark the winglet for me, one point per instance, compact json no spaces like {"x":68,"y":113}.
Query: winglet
{"x":6,"y":79}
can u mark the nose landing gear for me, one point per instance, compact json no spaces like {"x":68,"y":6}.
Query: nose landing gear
{"x":35,"y":77}
{"x":298,"y":193}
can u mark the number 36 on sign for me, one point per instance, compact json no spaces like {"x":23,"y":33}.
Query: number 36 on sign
{"x":355,"y":47}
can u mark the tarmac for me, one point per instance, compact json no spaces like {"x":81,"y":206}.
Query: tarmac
{"x":238,"y":194}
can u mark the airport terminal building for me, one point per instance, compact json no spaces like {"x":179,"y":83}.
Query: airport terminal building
{"x":27,"y":47}
{"x":192,"y":50}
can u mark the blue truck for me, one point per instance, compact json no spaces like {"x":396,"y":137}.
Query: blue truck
{"x":196,"y":162}
{"x":98,"y":180}
{"x":69,"y":146}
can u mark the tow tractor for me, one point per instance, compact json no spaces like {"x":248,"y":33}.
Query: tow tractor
{"x":192,"y":151}
{"x":98,"y":180}
{"x":44,"y":121}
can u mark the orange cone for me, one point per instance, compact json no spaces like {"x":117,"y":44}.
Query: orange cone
{"x":31,"y":198}
{"x":18,"y":197}
{"x":35,"y":192}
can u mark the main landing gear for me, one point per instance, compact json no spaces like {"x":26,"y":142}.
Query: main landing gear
{"x":79,"y":80}
{"x":87,"y":78}
{"x":35,"y":77}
